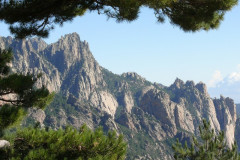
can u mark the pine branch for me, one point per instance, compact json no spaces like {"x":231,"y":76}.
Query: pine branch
{"x":11,"y":101}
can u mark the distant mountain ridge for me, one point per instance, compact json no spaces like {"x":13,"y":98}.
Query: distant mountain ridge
{"x":229,"y":86}
{"x":150,"y":115}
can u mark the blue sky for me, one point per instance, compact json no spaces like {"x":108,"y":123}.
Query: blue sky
{"x":158,"y":52}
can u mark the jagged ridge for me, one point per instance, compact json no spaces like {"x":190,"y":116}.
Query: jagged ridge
{"x":150,"y":115}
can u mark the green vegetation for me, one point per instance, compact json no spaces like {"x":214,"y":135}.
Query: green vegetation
{"x":37,"y":17}
{"x":17,"y":93}
{"x":111,"y":80}
{"x":140,"y":144}
{"x":210,"y":147}
{"x":35,"y":143}
{"x":59,"y":102}
{"x":134,"y":85}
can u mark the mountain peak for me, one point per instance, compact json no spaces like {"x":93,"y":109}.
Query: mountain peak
{"x":93,"y":96}
{"x":190,"y":84}
{"x":133,"y":76}
{"x":178,"y":83}
{"x":202,"y":87}
{"x":70,"y":38}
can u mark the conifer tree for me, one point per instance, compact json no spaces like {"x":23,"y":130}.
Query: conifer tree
{"x":18,"y":93}
{"x":69,"y":143}
{"x":209,"y":147}
{"x":37,"y":17}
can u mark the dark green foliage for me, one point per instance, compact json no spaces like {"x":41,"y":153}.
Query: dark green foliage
{"x":17,"y":93}
{"x":113,"y":80}
{"x":34,"y":143}
{"x":23,"y":86}
{"x":9,"y":115}
{"x":37,"y":17}
{"x":5,"y":58}
{"x":53,"y":109}
{"x":211,"y":147}
{"x":60,"y":102}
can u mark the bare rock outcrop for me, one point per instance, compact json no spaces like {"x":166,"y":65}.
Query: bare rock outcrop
{"x":150,"y":115}
{"x":133,"y":76}
{"x":126,"y":100}
{"x":237,"y":132}
{"x":28,"y":60}
{"x":183,"y":118}
{"x":158,"y":103}
{"x":226,"y":114}
{"x":38,"y":115}
{"x":104,"y":101}
{"x":4,"y":144}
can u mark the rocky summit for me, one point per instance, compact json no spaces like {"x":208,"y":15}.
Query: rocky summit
{"x":151,"y":116}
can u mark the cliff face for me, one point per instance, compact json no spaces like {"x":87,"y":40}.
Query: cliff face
{"x":237,"y":130}
{"x":151,"y":116}
{"x":237,"y":133}
{"x":226,"y":114}
{"x":238,"y":109}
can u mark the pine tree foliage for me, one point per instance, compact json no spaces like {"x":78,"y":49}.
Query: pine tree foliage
{"x":69,"y":143}
{"x":17,"y":93}
{"x":37,"y":17}
{"x":210,"y":147}
{"x":5,"y":58}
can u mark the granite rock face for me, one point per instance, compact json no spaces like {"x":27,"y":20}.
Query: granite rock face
{"x":237,"y":132}
{"x":150,"y":115}
{"x":38,"y":115}
{"x":226,"y":114}
{"x":4,"y":144}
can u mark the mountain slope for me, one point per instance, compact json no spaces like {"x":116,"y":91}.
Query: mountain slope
{"x":151,"y":116}
{"x":238,"y":109}
{"x":237,"y":130}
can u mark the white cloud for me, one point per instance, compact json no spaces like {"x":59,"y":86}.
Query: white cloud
{"x":234,"y":77}
{"x":229,"y":85}
{"x":216,"y":78}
